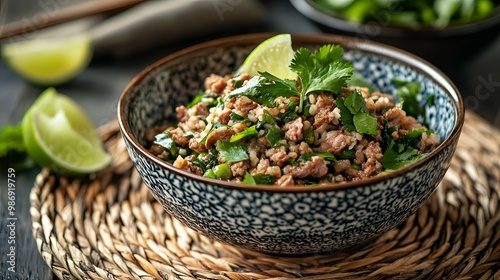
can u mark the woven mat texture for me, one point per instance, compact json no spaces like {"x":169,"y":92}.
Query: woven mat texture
{"x":108,"y":226}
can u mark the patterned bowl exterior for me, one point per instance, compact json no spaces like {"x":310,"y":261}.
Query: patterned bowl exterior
{"x":286,"y":221}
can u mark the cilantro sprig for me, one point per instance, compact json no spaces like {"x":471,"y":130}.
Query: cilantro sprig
{"x":321,"y":70}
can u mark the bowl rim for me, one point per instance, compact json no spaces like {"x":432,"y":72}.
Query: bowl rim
{"x":312,"y":11}
{"x":351,"y":43}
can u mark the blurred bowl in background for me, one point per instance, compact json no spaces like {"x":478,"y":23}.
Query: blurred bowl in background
{"x":444,"y":46}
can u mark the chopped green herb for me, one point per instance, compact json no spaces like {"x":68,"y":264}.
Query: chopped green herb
{"x":309,"y":135}
{"x":206,"y":161}
{"x":267,"y":118}
{"x":231,"y":152}
{"x":238,"y":83}
{"x":288,"y":116}
{"x":247,"y":132}
{"x":355,"y":102}
{"x":408,"y":95}
{"x":397,"y":156}
{"x":198,"y":98}
{"x":263,"y":179}
{"x":188,"y":134}
{"x":365,"y":123}
{"x":212,"y":128}
{"x":412,"y":137}
{"x":347,"y":154}
{"x":292,"y":105}
{"x":235,"y":117}
{"x":248,"y":179}
{"x":346,"y":116}
{"x":326,"y":156}
{"x":356,"y":166}
{"x":310,"y":183}
{"x":354,"y":114}
{"x":279,"y":87}
{"x":274,"y":135}
{"x":12,"y":149}
{"x":253,"y":90}
{"x":165,"y":140}
{"x":307,"y":157}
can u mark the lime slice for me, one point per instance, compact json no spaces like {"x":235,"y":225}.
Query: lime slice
{"x":49,"y":61}
{"x":58,"y":135}
{"x":272,"y":55}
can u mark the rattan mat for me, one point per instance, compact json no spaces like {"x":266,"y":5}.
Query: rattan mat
{"x":108,"y":226}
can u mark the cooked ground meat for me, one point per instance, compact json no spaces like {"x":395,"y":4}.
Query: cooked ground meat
{"x":281,"y":145}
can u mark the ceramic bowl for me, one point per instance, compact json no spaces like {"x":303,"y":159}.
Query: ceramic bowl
{"x":444,"y":47}
{"x":301,"y":219}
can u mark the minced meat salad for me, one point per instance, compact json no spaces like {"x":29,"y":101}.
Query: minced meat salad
{"x":312,"y":130}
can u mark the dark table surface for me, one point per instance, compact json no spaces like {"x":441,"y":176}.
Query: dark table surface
{"x":98,"y":88}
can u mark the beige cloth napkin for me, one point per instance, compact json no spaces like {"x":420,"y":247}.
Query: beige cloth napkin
{"x":162,"y":21}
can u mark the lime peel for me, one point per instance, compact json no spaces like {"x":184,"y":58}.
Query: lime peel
{"x":273,"y":55}
{"x":49,"y":62}
{"x":58,"y":135}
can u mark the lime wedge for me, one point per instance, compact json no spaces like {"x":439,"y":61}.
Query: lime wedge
{"x":272,"y":55}
{"x":49,"y":61}
{"x":58,"y":135}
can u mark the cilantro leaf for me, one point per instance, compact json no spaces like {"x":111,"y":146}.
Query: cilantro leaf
{"x":247,"y":132}
{"x":274,"y":135}
{"x":267,"y":118}
{"x":260,"y":90}
{"x":354,"y":114}
{"x":12,"y":149}
{"x":231,"y":152}
{"x":397,"y":156}
{"x":198,"y":98}
{"x":408,"y":95}
{"x":346,"y":117}
{"x":11,"y":140}
{"x":323,"y":70}
{"x":164,"y":140}
{"x":279,"y":87}
{"x":412,"y":137}
{"x":309,"y":135}
{"x":365,"y":123}
{"x":355,"y":102}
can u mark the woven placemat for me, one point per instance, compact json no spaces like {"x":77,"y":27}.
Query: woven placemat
{"x":108,"y":226}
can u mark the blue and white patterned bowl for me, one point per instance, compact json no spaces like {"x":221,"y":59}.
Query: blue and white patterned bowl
{"x":297,"y":220}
